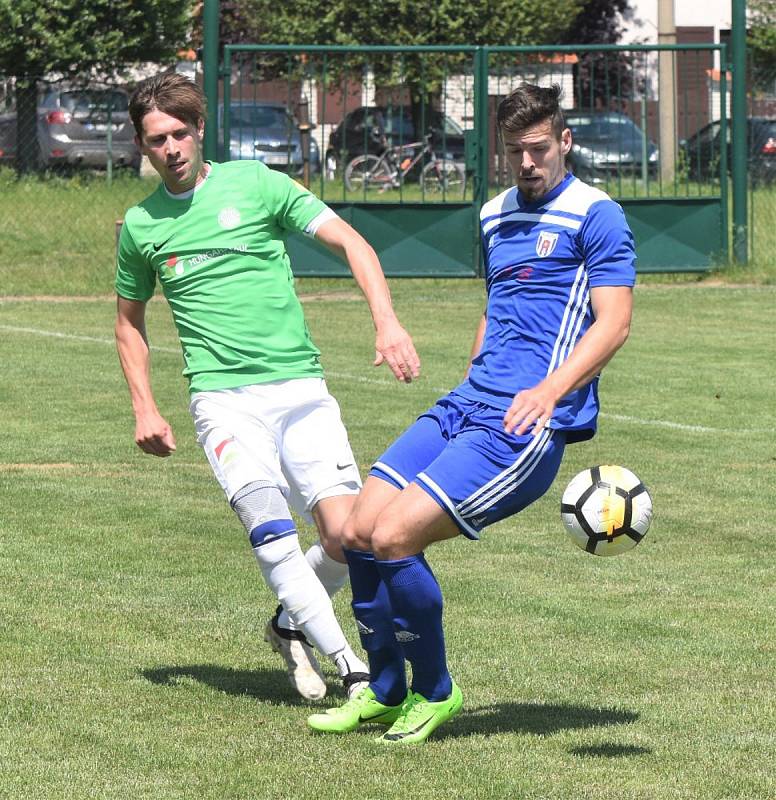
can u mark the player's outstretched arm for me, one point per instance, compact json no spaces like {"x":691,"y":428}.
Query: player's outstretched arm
{"x":612,"y":306}
{"x":392,"y":343}
{"x":152,"y":432}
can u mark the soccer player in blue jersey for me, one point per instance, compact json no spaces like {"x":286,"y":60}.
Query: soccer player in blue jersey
{"x":559,"y":261}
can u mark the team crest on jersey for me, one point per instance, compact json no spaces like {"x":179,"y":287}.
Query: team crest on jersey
{"x":545,"y":244}
{"x":229,"y":218}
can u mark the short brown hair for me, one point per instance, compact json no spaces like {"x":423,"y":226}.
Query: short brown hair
{"x":172,"y":93}
{"x":528,"y":105}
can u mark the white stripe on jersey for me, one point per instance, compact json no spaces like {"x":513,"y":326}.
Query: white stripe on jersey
{"x":423,"y":478}
{"x":573,"y":315}
{"x":523,"y":216}
{"x":508,"y":480}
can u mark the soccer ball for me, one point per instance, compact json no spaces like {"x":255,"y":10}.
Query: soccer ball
{"x":606,"y":510}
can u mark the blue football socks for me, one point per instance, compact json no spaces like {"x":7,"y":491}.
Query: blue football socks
{"x":416,"y":600}
{"x":372,"y":609}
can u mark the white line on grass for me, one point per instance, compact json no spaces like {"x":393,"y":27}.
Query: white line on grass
{"x":655,"y":423}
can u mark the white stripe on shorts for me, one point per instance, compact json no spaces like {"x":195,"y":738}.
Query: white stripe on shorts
{"x":470,"y":532}
{"x":508,"y":480}
{"x":391,"y":473}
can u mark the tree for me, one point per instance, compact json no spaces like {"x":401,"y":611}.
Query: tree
{"x":600,"y":76}
{"x":77,"y":37}
{"x":418,"y":78}
{"x":761,"y":42}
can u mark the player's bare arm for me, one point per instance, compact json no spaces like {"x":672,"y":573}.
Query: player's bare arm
{"x":392,"y":343}
{"x":612,"y":307}
{"x":153,"y":434}
{"x":479,"y":336}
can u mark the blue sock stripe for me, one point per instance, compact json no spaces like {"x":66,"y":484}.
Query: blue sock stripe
{"x":270,"y":531}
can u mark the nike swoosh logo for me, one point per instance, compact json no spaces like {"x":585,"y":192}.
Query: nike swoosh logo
{"x":344,"y":466}
{"x":158,"y":247}
{"x":397,"y":736}
{"x":362,"y":718}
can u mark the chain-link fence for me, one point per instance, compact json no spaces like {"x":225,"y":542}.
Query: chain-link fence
{"x":61,"y":125}
{"x":761,"y":150}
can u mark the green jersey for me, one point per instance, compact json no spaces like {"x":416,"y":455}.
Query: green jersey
{"x":219,"y":253}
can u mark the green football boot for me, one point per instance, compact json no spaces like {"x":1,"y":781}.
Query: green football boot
{"x":362,"y":708}
{"x":419,"y":718}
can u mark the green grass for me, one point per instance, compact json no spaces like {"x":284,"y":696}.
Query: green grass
{"x":57,"y":235}
{"x":131,"y":611}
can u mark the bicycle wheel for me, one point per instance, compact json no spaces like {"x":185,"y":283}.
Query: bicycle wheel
{"x":366,"y":173}
{"x":445,"y":176}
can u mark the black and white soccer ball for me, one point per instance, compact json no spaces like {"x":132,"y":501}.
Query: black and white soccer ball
{"x":606,"y":510}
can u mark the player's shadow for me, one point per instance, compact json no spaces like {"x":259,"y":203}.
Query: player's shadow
{"x":267,"y":685}
{"x":539,"y":719}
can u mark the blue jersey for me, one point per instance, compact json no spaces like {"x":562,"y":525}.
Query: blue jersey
{"x":541,"y":260}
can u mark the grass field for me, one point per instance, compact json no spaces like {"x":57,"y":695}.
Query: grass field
{"x":131,"y":610}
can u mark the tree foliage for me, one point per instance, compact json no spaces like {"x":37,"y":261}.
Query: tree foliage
{"x":405,"y":22}
{"x":76,"y":36}
{"x":762,"y":41}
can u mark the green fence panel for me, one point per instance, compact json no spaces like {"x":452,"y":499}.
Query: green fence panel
{"x":676,"y":235}
{"x":412,"y":239}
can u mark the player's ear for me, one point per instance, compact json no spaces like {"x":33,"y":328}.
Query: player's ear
{"x":565,"y":142}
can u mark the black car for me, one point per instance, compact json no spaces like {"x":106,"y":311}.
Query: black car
{"x":606,"y":144}
{"x":700,"y":153}
{"x":370,"y":129}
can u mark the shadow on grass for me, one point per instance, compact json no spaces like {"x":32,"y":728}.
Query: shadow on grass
{"x":609,"y":750}
{"x":534,"y":718}
{"x":268,"y":685}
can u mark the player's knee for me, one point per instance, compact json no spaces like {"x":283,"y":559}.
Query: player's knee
{"x":264,"y":513}
{"x":390,"y":539}
{"x":355,"y":534}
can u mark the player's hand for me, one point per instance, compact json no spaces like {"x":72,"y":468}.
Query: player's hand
{"x":394,"y":346}
{"x":530,"y":407}
{"x":153,"y":435}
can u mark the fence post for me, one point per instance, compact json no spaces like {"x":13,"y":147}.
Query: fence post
{"x":739,"y":131}
{"x":481,"y":126}
{"x":210,"y":69}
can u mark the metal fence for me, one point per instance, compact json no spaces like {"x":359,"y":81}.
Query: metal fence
{"x":388,"y":135}
{"x":403,"y":143}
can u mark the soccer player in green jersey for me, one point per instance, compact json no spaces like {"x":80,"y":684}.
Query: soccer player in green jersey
{"x":213,"y":235}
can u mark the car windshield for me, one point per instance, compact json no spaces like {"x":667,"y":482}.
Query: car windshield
{"x":259,"y":117}
{"x":399,"y":124}
{"x":93,"y":100}
{"x":593,"y":127}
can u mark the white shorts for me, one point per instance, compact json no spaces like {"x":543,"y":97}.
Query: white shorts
{"x":288,"y":433}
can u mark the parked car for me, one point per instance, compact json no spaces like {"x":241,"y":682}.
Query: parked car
{"x":606,"y":144}
{"x":370,"y":129}
{"x":72,"y":129}
{"x":701,"y":152}
{"x":268,"y":132}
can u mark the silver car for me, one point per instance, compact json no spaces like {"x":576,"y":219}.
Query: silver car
{"x":72,"y":129}
{"x":268,"y":132}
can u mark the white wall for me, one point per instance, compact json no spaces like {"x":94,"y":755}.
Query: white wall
{"x":642,"y":26}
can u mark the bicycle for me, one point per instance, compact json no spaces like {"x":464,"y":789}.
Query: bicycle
{"x":389,"y":170}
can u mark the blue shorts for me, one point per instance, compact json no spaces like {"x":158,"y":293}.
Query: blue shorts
{"x":459,"y":454}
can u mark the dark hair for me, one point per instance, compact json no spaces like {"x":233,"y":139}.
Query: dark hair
{"x":528,"y":105}
{"x":172,"y":93}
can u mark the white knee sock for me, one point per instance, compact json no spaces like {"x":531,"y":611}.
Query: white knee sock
{"x":330,"y":573}
{"x":299,"y":591}
{"x":333,"y":576}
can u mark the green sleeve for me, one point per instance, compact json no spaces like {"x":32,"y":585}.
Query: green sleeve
{"x":135,"y":278}
{"x":293,"y":206}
